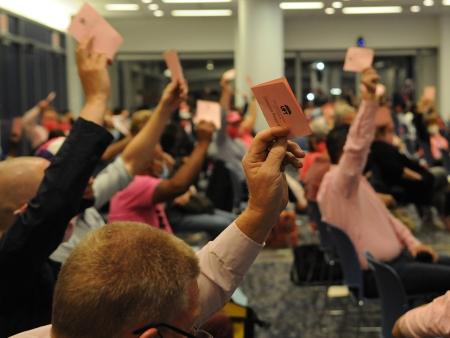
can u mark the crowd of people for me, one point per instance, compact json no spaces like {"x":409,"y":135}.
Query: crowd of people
{"x":91,"y":207}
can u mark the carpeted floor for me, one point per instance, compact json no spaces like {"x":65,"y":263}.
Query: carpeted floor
{"x":307,"y":312}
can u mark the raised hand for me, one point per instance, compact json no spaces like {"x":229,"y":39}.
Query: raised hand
{"x":267,"y":186}
{"x":93,"y":72}
{"x":205,"y":132}
{"x":369,"y":81}
{"x":174,"y":94}
{"x":92,"y":69}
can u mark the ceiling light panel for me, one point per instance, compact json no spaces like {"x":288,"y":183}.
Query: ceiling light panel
{"x":203,"y":12}
{"x":373,"y":10}
{"x":122,"y":7}
{"x":194,"y":1}
{"x":302,"y":5}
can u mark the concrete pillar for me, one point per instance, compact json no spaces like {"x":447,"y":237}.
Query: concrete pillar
{"x":444,"y":68}
{"x":259,"y":51}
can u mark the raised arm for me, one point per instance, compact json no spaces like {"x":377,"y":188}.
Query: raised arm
{"x":250,"y":119}
{"x":139,"y":152}
{"x":116,"y":148}
{"x":224,"y":262}
{"x":186,"y":175}
{"x":226,"y":95}
{"x":428,"y":321}
{"x":40,"y":228}
{"x":360,"y":137}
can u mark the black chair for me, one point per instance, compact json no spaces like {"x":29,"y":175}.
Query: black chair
{"x":352,"y":272}
{"x":326,"y":242}
{"x":394,"y":301}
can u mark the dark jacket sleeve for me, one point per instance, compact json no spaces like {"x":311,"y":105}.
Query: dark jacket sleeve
{"x":40,"y":229}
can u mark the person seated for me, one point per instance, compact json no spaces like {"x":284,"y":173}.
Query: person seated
{"x":317,"y":146}
{"x":344,"y":114}
{"x":231,"y":142}
{"x":429,"y":321}
{"x":134,"y":160}
{"x":414,"y":183}
{"x":143,"y":200}
{"x":348,"y":202}
{"x":152,"y":280}
{"x":31,"y":230}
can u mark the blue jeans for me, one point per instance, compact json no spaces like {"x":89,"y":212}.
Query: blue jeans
{"x":213,"y":224}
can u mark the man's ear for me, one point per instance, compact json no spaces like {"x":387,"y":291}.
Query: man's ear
{"x":150,"y":333}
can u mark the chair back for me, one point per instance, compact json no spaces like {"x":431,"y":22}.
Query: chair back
{"x":353,"y":275}
{"x":394,"y":301}
{"x":326,"y":243}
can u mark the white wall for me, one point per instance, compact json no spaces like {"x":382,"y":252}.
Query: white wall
{"x":340,"y":32}
{"x":301,"y":33}
{"x":184,"y":34}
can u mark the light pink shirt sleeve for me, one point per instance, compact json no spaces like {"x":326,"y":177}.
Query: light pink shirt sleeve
{"x":428,"y":321}
{"x":223,"y":264}
{"x":356,"y":149}
{"x":404,"y":234}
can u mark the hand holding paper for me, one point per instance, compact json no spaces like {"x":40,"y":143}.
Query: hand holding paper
{"x":358,"y":59}
{"x":88,"y":23}
{"x":280,"y":107}
{"x":229,"y":75}
{"x":210,"y":112}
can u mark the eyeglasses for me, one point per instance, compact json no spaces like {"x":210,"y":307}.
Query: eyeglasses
{"x":198,"y":333}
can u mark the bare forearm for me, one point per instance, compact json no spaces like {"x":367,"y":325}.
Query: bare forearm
{"x":94,"y":111}
{"x":250,"y":120}
{"x":139,"y":152}
{"x":225,"y":98}
{"x":116,"y":148}
{"x":256,"y":225}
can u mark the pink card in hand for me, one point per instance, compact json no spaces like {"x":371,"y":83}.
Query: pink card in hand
{"x":88,"y":23}
{"x":380,"y":90}
{"x":358,"y":59}
{"x":209,"y":111}
{"x":429,"y":93}
{"x":229,"y":75}
{"x":174,"y":65}
{"x":280,"y":107}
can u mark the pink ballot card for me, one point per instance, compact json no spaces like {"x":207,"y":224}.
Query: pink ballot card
{"x":358,"y":59}
{"x":174,"y":65}
{"x":229,"y":75}
{"x":280,"y":107}
{"x":209,"y":111}
{"x":88,"y":23}
{"x":380,"y":90}
{"x":429,"y":93}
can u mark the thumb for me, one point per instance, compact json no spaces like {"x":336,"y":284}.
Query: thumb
{"x":276,"y":154}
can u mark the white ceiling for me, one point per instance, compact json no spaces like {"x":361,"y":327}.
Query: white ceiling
{"x":144,"y":11}
{"x":57,"y":13}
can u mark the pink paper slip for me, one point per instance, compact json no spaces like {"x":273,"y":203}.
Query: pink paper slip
{"x":358,"y":59}
{"x":429,"y":93}
{"x":174,"y":65}
{"x":208,"y":111}
{"x":381,"y":90}
{"x":88,"y":23}
{"x":229,"y":75}
{"x":280,"y":107}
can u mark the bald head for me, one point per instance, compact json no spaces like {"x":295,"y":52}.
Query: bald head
{"x":19,"y":181}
